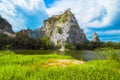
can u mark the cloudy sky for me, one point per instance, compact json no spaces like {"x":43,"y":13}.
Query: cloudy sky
{"x":101,"y":16}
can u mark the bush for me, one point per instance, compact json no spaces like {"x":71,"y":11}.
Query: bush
{"x":59,"y":30}
{"x":108,"y":53}
{"x":69,"y":46}
{"x":46,"y":43}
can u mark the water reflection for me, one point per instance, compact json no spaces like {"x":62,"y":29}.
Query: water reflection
{"x":84,"y":55}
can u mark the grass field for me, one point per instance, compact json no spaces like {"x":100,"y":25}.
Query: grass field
{"x":30,"y":67}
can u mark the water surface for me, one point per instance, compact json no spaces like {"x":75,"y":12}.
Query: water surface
{"x":85,"y":55}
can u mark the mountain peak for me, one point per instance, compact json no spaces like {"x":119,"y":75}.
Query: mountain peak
{"x":95,"y":37}
{"x":63,"y":29}
{"x":68,"y":11}
{"x":64,"y":17}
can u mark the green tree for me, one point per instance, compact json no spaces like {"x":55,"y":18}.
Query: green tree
{"x":46,"y":43}
{"x":69,"y":46}
{"x":5,"y":41}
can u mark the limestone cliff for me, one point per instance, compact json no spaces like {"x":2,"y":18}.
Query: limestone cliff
{"x":31,"y":33}
{"x":62,"y":29}
{"x":95,"y":38}
{"x":5,"y":26}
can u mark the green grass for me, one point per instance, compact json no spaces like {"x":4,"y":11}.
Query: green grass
{"x":29,"y":67}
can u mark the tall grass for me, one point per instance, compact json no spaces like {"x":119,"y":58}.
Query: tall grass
{"x":108,"y":53}
{"x":29,"y":67}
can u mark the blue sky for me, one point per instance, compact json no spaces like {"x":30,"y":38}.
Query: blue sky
{"x":101,"y":16}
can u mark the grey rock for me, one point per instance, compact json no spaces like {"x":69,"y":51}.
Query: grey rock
{"x":62,"y":29}
{"x":31,"y":33}
{"x":5,"y":27}
{"x":95,"y":38}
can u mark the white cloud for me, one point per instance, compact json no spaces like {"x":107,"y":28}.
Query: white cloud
{"x":114,"y":39}
{"x":109,"y":32}
{"x":30,"y":4}
{"x":9,"y":9}
{"x":89,"y":13}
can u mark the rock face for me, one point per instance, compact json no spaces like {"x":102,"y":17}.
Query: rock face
{"x":95,"y":38}
{"x":32,"y":34}
{"x":5,"y":26}
{"x":62,"y":29}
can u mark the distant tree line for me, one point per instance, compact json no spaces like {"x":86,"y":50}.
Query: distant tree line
{"x":23,"y":42}
{"x":93,"y":45}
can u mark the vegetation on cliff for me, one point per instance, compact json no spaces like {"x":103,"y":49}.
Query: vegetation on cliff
{"x":60,"y":18}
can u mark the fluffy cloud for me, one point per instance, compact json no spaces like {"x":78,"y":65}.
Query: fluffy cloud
{"x":110,"y":32}
{"x":23,"y":13}
{"x":89,"y":13}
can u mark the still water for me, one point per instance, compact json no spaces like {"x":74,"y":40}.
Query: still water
{"x":84,"y":55}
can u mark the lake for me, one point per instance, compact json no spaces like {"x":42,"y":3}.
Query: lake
{"x":84,"y":55}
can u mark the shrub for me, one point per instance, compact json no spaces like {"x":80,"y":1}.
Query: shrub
{"x":108,"y":53}
{"x":46,"y":43}
{"x":59,"y":30}
{"x":69,"y":46}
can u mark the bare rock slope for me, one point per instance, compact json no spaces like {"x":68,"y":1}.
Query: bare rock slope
{"x":62,"y":29}
{"x":5,"y":27}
